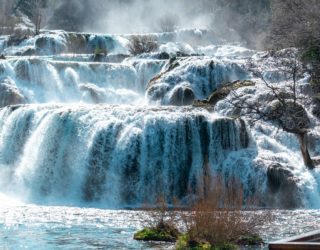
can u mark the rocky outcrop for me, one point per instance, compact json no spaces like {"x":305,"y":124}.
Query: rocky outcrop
{"x":202,"y":75}
{"x":222,"y":92}
{"x":182,"y":96}
{"x":290,"y":115}
{"x":77,"y":43}
{"x":282,"y":184}
{"x":316,"y":106}
{"x":9,"y":94}
{"x":22,"y":70}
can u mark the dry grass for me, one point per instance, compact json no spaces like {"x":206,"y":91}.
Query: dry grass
{"x":160,"y":215}
{"x":222,"y":214}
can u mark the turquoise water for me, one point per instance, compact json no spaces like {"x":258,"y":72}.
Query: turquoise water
{"x":47,"y":227}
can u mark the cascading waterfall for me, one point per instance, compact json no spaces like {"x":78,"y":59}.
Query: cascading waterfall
{"x":74,"y":131}
{"x":43,"y":81}
{"x":113,"y":155}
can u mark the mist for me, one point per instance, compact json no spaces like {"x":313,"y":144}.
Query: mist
{"x":128,"y":16}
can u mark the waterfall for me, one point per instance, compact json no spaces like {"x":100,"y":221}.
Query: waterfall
{"x":114,"y":155}
{"x":78,"y":131}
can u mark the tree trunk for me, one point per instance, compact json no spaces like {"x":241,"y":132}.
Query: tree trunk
{"x":305,"y":152}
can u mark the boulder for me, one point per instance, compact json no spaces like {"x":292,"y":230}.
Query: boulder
{"x":77,"y":43}
{"x":182,"y":96}
{"x":316,"y":106}
{"x":29,"y":52}
{"x":157,"y":92}
{"x":10,"y":94}
{"x":41,"y":42}
{"x":291,"y":116}
{"x":22,"y":70}
{"x":283,"y":187}
{"x":163,"y":56}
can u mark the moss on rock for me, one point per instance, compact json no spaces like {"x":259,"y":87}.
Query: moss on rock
{"x":184,"y":243}
{"x":222,"y":92}
{"x":250,"y":240}
{"x":162,"y":232}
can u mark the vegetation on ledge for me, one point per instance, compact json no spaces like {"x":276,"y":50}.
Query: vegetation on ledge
{"x":163,"y":232}
{"x":222,"y":92}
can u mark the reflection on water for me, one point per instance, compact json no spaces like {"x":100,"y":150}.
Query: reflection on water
{"x":35,"y":227}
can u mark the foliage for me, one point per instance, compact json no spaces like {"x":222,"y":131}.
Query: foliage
{"x":162,"y":232}
{"x":250,"y":240}
{"x":219,"y":217}
{"x":160,"y":223}
{"x":142,"y":44}
{"x":184,"y":243}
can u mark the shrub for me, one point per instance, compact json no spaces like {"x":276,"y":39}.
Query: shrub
{"x":160,"y":224}
{"x":221,"y":214}
{"x":142,"y":44}
{"x":219,"y":219}
{"x":162,"y":232}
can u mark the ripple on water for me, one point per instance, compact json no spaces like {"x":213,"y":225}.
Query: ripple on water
{"x":36,"y":227}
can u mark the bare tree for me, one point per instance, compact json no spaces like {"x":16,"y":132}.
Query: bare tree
{"x":294,"y":22}
{"x":283,"y":104}
{"x":142,"y":44}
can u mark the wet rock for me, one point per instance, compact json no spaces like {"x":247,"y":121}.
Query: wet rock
{"x":173,"y":63}
{"x":77,"y":43}
{"x":117,"y":58}
{"x":163,"y":56}
{"x":29,"y":52}
{"x":316,"y":106}
{"x":157,"y":92}
{"x":182,"y":96}
{"x":48,"y":43}
{"x":22,"y":70}
{"x":10,"y":94}
{"x":41,"y":42}
{"x":291,"y":116}
{"x":15,"y":40}
{"x":283,"y":187}
{"x":225,"y":90}
{"x":222,"y":92}
{"x":99,"y":57}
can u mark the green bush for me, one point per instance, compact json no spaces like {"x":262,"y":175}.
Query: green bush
{"x":184,"y":243}
{"x":163,"y":233}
